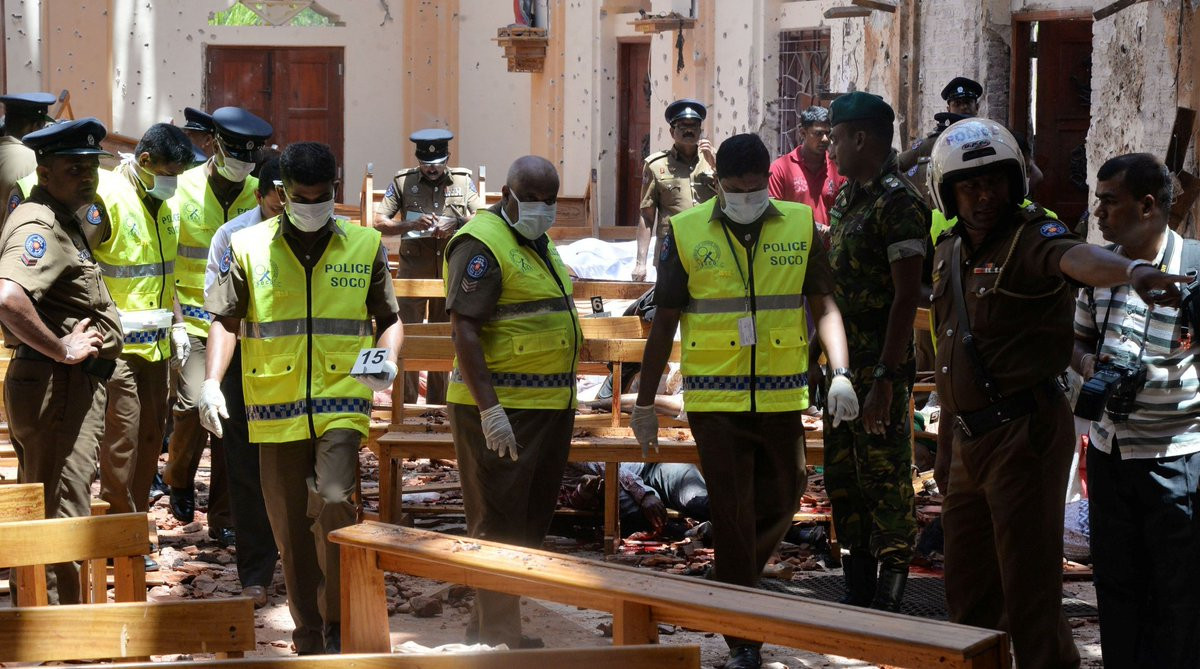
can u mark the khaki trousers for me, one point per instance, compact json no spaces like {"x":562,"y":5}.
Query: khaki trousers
{"x":308,"y":487}
{"x":188,"y":438}
{"x":134,"y":423}
{"x":56,"y":416}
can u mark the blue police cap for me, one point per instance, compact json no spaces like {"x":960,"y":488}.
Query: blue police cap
{"x":962,"y":87}
{"x":433,"y":144}
{"x":81,"y":137}
{"x":685,"y":108}
{"x":242,"y":134}
{"x":197,"y":120}
{"x":28,"y":104}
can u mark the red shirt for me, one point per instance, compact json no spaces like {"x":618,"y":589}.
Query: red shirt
{"x":792,"y":181}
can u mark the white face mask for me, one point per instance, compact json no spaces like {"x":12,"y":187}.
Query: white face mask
{"x":533,"y":218}
{"x":745,"y":208}
{"x":164,"y":186}
{"x":231,"y":168}
{"x":309,"y":217}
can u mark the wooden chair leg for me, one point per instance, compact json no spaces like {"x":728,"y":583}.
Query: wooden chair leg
{"x":364,"y":606}
{"x":129,"y":579}
{"x":633,"y":625}
{"x":612,"y":510}
{"x":616,"y":394}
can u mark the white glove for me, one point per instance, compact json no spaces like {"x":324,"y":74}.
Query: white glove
{"x":212,"y":406}
{"x":498,"y":432}
{"x":381,"y":380}
{"x":180,"y":344}
{"x":644,"y":422}
{"x":841,"y":402}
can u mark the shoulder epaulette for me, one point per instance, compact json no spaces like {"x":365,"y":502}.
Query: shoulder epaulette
{"x":408,"y":171}
{"x":655,"y":157}
{"x":460,"y":171}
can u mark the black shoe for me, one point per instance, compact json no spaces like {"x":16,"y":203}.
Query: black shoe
{"x":889,"y":592}
{"x":860,"y":574}
{"x":744,"y":657}
{"x":333,"y":639}
{"x":151,"y":565}
{"x":183,"y":504}
{"x":223,"y":535}
{"x":158,"y":489}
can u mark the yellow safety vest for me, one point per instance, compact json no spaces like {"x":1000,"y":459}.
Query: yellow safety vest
{"x":25,"y":186}
{"x":719,"y":372}
{"x":531,"y":343}
{"x":200,"y":214}
{"x":302,"y":332}
{"x":138,"y":260}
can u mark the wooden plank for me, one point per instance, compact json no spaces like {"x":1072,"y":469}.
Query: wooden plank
{"x":364,"y":617}
{"x":881,"y":5}
{"x":922,"y":322}
{"x":88,"y":631}
{"x":614,"y":327}
{"x":1112,"y":8}
{"x":707,"y":606}
{"x":846,"y":12}
{"x":633,"y":624}
{"x":623,"y":350}
{"x":583,"y":289}
{"x":37,"y":542}
{"x":625,"y":657}
{"x":22,"y":501}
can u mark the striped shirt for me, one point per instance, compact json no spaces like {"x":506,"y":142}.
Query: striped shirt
{"x":1165,"y":421}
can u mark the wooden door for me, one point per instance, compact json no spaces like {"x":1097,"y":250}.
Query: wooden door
{"x":297,"y":90}
{"x":633,"y":105}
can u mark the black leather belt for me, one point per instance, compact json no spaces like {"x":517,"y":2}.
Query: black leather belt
{"x":975,"y":424}
{"x":101,"y":368}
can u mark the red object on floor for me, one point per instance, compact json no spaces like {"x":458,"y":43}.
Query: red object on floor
{"x":1084,"y":441}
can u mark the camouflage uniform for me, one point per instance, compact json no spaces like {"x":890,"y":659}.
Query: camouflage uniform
{"x":867,"y":476}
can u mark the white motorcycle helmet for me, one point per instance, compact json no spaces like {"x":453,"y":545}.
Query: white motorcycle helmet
{"x":968,"y":148}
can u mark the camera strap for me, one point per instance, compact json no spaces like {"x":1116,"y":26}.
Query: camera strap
{"x":982,"y":378}
{"x":1162,"y":266}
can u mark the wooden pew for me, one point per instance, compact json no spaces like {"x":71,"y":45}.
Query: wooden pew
{"x":126,"y":630}
{"x":639,"y":599}
{"x":20,"y":502}
{"x":625,"y":657}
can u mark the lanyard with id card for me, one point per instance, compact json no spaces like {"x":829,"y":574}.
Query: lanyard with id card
{"x":747,"y":331}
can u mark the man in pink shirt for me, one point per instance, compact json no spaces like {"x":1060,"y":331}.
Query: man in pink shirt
{"x":806,"y":174}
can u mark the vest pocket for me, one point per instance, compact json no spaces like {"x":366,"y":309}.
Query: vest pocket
{"x":273,"y":367}
{"x":339,"y":362}
{"x":786,"y":337}
{"x":718,"y":340}
{"x":540,"y":342}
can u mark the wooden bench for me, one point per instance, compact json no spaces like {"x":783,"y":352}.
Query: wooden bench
{"x":126,"y":630}
{"x":625,"y":657}
{"x":639,"y":599}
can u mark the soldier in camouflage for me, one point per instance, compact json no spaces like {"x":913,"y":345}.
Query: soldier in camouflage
{"x":878,"y":230}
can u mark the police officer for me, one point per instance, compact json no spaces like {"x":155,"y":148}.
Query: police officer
{"x":23,"y":113}
{"x":135,"y":248}
{"x":56,"y":312}
{"x":200,"y":130}
{"x":962,"y":101}
{"x":1003,"y":298}
{"x":208,"y":196}
{"x":302,"y":289}
{"x":735,"y":272}
{"x":878,"y":230}
{"x":426,"y":204}
{"x":676,"y":179}
{"x":511,"y":400}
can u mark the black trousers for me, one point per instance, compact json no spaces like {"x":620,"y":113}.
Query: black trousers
{"x":256,"y":553}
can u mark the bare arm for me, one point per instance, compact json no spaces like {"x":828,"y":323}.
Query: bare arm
{"x":222,"y":339}
{"x":468,"y":346}
{"x":643,"y":243}
{"x":1096,"y":266}
{"x":830,"y":330}
{"x":391,"y":334}
{"x":657,"y":352}
{"x":18,"y":313}
{"x":396,"y":225}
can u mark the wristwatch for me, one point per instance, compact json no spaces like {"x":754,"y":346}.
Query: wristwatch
{"x":882,"y":372}
{"x":840,"y":371}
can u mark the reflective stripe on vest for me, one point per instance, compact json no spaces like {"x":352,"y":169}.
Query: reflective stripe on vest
{"x":195,"y":313}
{"x":719,"y":374}
{"x":200,"y":214}
{"x":302,"y":332}
{"x":531,"y":344}
{"x":146,"y":337}
{"x":137,"y":260}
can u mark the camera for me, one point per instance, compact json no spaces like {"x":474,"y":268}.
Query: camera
{"x":1112,"y":388}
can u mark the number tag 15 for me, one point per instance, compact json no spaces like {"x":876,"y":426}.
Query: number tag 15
{"x":369,"y":361}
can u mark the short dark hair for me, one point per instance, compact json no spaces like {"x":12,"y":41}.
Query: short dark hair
{"x":268,"y":174}
{"x":308,"y":163}
{"x":1143,"y":174}
{"x":878,"y":128}
{"x":813,"y":115}
{"x":166,"y":144}
{"x":741,"y":155}
{"x":1023,"y":143}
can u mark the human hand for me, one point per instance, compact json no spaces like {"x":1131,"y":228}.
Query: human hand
{"x":706,"y":150}
{"x":445,"y":226}
{"x":1087,"y":366}
{"x":498,"y":432}
{"x":655,"y":511}
{"x":381,"y":380}
{"x":876,"y":414}
{"x":1157,"y":288}
{"x":842,"y":400}
{"x":639,"y":271}
{"x":81,"y":344}
{"x":212,"y":406}
{"x":181,"y":346}
{"x":644,"y":422}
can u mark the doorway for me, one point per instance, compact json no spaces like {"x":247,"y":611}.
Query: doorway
{"x":1051,"y":103}
{"x":633,"y":143}
{"x":297,"y":90}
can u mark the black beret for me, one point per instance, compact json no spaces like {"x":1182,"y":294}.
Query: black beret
{"x":962,"y":87}
{"x":433,"y":144}
{"x":686,"y":108}
{"x":81,"y":137}
{"x":197,"y":120}
{"x":860,"y":106}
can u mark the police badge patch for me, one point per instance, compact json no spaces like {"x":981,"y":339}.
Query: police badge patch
{"x":226,"y":260}
{"x":477,"y":266}
{"x":391,"y":190}
{"x":1053,"y":229}
{"x":13,"y":202}
{"x":93,"y":215}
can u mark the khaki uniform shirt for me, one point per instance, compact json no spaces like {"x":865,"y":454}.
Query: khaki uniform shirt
{"x":43,"y":249}
{"x":16,"y":161}
{"x":1019,"y":303}
{"x":671,"y":185}
{"x":452,"y":195}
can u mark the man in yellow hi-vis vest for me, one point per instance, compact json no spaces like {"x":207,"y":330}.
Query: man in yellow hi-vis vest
{"x":302,"y":289}
{"x":135,"y":249}
{"x":735,"y":272}
{"x":209,"y":196}
{"x":511,"y":398}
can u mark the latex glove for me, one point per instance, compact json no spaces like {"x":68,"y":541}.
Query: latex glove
{"x":180,"y":345}
{"x":644,"y":422}
{"x":842,"y":402}
{"x":498,"y":432}
{"x":381,"y":380}
{"x":212,"y":406}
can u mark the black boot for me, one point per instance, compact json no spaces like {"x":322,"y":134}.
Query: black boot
{"x":890,"y":590}
{"x":744,"y":657}
{"x":333,"y":639}
{"x":183,"y":504}
{"x":860,"y":571}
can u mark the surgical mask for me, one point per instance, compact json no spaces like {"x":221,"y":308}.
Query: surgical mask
{"x":533,"y":218}
{"x":745,"y":208}
{"x":164,"y":186}
{"x":309,"y":217}
{"x":231,"y":168}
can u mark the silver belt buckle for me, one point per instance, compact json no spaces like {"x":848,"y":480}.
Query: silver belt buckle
{"x":962,"y":424}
